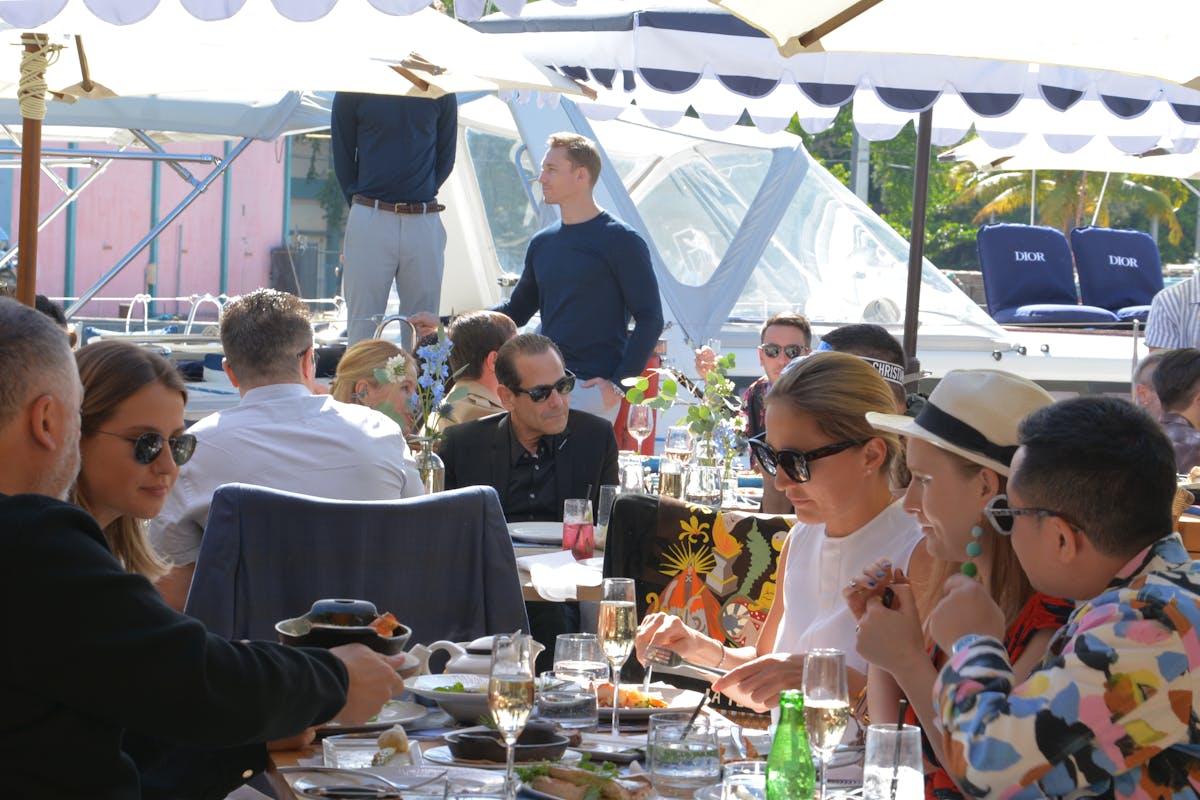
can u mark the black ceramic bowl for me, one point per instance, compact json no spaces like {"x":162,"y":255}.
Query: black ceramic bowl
{"x":331,"y":623}
{"x":538,"y":742}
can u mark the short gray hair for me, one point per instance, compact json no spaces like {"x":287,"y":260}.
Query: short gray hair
{"x":34,"y":356}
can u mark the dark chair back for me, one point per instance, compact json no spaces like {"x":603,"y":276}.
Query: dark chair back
{"x":442,"y":564}
{"x":1118,"y":270}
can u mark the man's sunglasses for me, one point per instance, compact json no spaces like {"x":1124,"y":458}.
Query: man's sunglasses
{"x":564,"y":385}
{"x":148,"y":445}
{"x":1002,"y":517}
{"x":789,"y":350}
{"x":794,"y":462}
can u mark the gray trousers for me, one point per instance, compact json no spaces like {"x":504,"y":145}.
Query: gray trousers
{"x":381,"y":247}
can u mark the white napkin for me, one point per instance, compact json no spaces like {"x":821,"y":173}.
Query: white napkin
{"x":556,"y":576}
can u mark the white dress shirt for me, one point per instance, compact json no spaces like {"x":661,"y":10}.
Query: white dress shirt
{"x":818,"y":566}
{"x":1174,"y":319}
{"x":284,"y":437}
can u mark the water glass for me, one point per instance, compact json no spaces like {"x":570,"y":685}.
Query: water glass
{"x":678,"y":445}
{"x":893,"y":761}
{"x":608,"y":496}
{"x":579,"y":658}
{"x":682,"y":758}
{"x":569,"y":708}
{"x":744,"y":780}
{"x":578,"y":534}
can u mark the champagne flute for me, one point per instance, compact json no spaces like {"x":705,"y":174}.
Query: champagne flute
{"x":617,"y":625}
{"x":826,"y":704}
{"x":640,"y":423}
{"x":510,"y":695}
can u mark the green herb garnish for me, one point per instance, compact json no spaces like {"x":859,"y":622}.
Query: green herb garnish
{"x":454,"y":687}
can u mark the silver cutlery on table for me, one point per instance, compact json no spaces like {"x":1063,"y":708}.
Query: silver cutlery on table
{"x":363,"y":776}
{"x":659,"y":656}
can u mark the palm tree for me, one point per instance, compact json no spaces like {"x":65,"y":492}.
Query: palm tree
{"x":1066,"y":200}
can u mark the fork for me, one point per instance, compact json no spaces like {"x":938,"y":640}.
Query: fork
{"x":659,"y":656}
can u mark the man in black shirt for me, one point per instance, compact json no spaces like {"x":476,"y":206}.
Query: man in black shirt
{"x":96,"y":656}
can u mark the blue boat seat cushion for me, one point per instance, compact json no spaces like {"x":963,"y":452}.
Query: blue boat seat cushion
{"x":1029,"y":277}
{"x":1119,"y":270}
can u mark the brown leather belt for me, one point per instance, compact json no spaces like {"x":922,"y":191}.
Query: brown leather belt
{"x":431,"y":207}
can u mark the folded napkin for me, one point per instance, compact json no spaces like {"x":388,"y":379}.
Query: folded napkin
{"x":556,"y":576}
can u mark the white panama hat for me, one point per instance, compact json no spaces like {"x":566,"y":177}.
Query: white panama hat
{"x":973,"y":413}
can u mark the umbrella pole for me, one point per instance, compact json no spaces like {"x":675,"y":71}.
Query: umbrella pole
{"x":32,"y":94}
{"x":916,"y":247}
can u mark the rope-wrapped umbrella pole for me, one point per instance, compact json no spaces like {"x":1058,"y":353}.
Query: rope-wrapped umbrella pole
{"x":31,"y":95}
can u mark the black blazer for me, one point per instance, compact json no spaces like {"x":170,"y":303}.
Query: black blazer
{"x":476,"y":454}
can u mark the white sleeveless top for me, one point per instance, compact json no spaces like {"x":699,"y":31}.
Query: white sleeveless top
{"x":818,"y":567}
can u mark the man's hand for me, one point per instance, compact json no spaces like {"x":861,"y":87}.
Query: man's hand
{"x":424,"y":322}
{"x":706,"y":361}
{"x":891,"y":638}
{"x":373,"y":681}
{"x":757,"y":684}
{"x":965,"y":608}
{"x":609,"y":392}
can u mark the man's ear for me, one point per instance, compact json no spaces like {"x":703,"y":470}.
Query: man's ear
{"x":489,"y":363}
{"x":1068,"y":541}
{"x":229,"y":372}
{"x":46,"y":422}
{"x":507,"y":396}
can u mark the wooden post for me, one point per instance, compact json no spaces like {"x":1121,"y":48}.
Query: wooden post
{"x":31,"y":176}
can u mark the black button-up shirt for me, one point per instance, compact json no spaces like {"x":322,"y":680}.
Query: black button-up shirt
{"x":532,"y":491}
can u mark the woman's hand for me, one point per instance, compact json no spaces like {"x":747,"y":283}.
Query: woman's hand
{"x":891,"y":638}
{"x":757,"y":684}
{"x":666,"y":630}
{"x":874,"y":583}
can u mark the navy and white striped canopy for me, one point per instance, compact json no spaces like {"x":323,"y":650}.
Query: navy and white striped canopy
{"x":657,"y":60}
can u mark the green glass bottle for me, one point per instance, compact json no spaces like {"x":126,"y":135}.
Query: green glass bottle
{"x":790,"y":773}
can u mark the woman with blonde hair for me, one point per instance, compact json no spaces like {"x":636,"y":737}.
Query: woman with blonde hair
{"x":356,"y":381}
{"x":833,"y":467}
{"x":960,"y":448}
{"x":132,"y":443}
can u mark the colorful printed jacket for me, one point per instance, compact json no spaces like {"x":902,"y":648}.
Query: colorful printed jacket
{"x":1110,"y":711}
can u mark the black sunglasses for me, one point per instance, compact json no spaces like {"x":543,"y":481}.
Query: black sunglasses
{"x":1002,"y":516}
{"x":794,"y":462}
{"x":564,"y":385}
{"x":789,"y":350}
{"x":148,"y":445}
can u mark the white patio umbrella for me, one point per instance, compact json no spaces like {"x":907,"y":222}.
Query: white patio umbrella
{"x":152,"y":47}
{"x":659,"y":61}
{"x":1094,"y":157}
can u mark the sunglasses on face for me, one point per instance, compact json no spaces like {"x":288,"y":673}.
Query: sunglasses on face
{"x":147,"y":446}
{"x":564,"y":386}
{"x":794,"y":462}
{"x":1002,"y":517}
{"x":789,"y":350}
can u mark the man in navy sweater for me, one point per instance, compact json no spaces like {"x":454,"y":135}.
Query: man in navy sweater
{"x":391,"y":155}
{"x":588,"y":275}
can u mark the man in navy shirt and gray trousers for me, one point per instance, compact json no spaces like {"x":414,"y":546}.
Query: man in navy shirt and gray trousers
{"x":391,"y":155}
{"x":588,"y":275}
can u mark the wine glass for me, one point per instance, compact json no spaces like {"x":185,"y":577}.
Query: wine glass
{"x":510,"y":695}
{"x":618,"y":622}
{"x":826,"y":704}
{"x":640,"y":423}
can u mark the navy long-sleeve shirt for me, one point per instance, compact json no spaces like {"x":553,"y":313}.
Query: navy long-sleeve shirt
{"x":588,"y":279}
{"x":391,"y":148}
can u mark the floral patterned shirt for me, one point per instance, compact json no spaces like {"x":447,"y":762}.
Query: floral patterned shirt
{"x":1111,"y":711}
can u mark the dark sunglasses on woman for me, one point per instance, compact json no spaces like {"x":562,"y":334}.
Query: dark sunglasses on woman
{"x":794,"y":462}
{"x":148,"y":445}
{"x":564,"y":385}
{"x":789,"y":350}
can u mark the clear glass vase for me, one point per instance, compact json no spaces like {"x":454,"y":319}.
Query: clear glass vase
{"x":429,"y":464}
{"x":703,"y":485}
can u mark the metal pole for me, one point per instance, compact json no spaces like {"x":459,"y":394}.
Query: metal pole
{"x":916,"y":248}
{"x":167,"y":220}
{"x":226,"y":197}
{"x":69,"y":255}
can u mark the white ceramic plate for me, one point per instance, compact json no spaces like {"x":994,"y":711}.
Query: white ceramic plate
{"x":529,"y":790}
{"x":442,"y":755}
{"x":465,"y":706}
{"x":394,"y":712}
{"x":537,"y":532}
{"x":677,"y":700}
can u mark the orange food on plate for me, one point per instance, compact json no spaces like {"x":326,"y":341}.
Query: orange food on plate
{"x":628,"y":697}
{"x":385,"y":624}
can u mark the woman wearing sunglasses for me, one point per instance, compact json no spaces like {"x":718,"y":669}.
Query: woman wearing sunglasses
{"x":959,"y":451}
{"x":356,"y":380}
{"x":132,"y":443}
{"x":833,"y":467}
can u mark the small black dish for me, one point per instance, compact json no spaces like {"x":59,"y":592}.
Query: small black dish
{"x":538,"y":742}
{"x":334,"y":622}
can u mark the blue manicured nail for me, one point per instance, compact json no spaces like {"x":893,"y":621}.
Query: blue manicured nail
{"x":870,"y":583}
{"x":879,"y":574}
